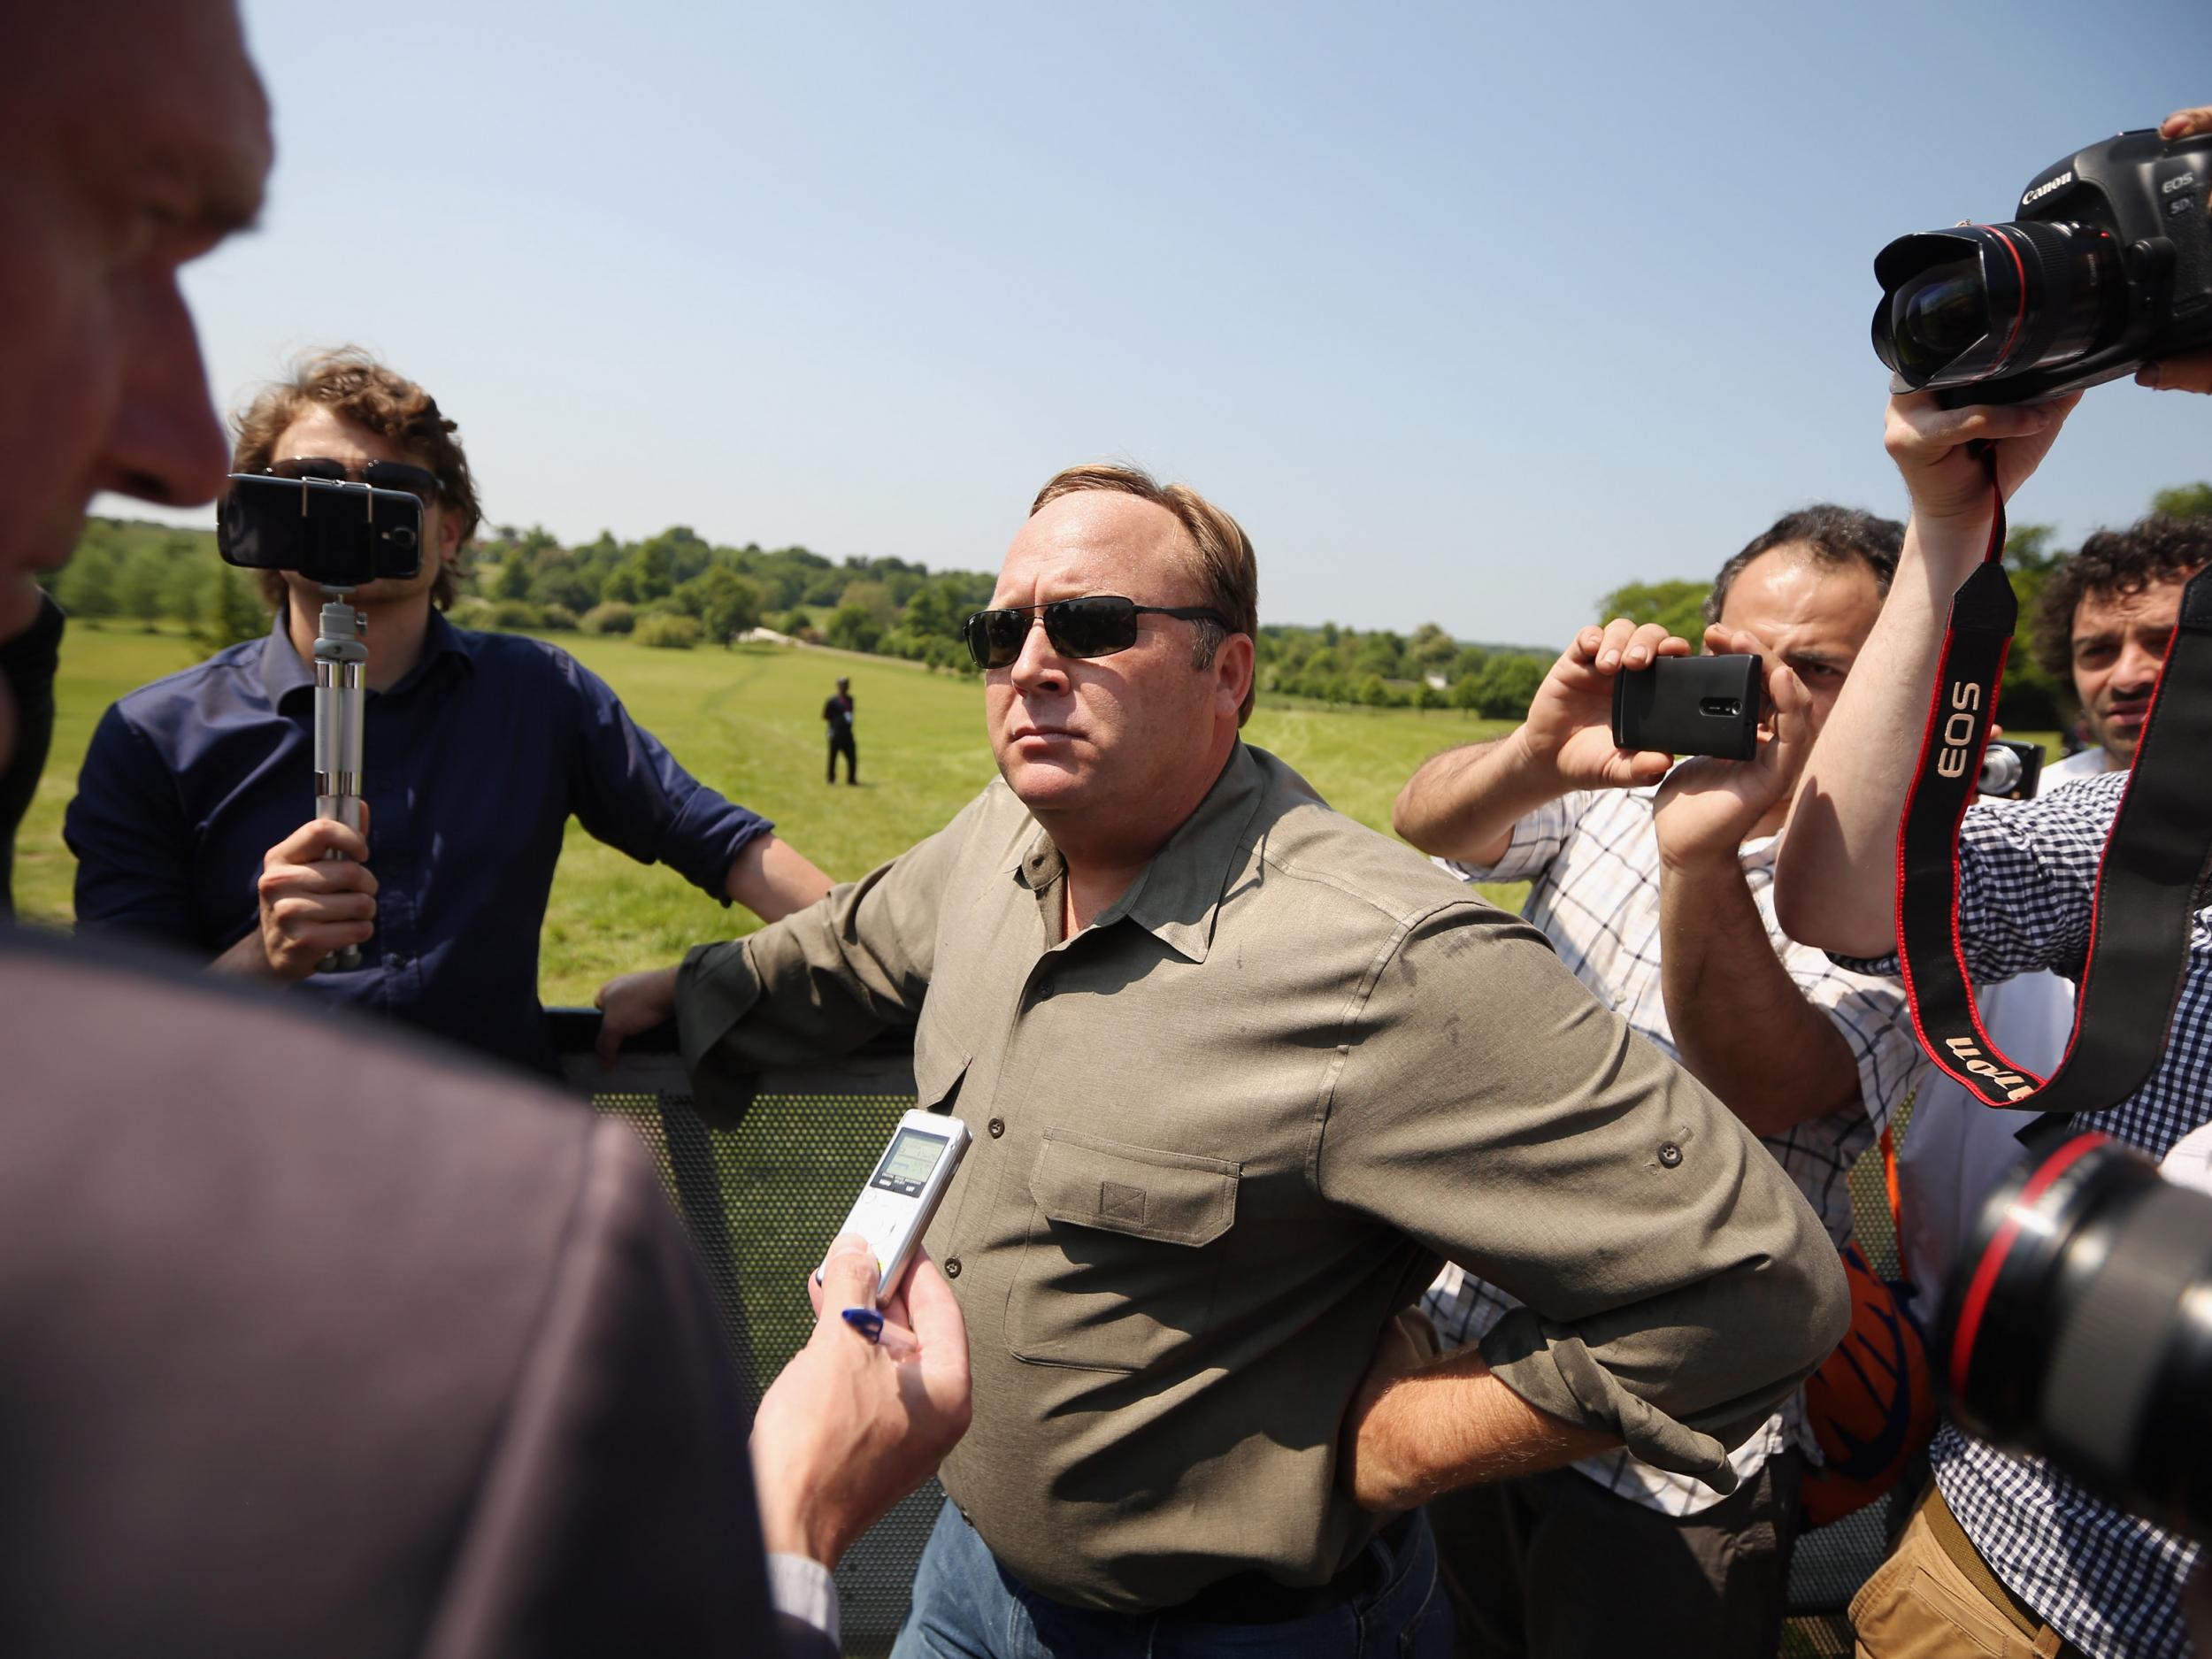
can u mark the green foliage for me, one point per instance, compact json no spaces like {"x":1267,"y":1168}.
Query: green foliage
{"x":2027,"y":696}
{"x":230,"y":611}
{"x":557,"y":619}
{"x":2185,"y":501}
{"x":1504,"y":687}
{"x":516,"y":616}
{"x":670,"y":630}
{"x":1677,"y":606}
{"x":852,"y":629}
{"x":613,"y":616}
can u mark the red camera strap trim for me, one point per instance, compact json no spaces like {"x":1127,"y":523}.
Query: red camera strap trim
{"x":2149,"y":879}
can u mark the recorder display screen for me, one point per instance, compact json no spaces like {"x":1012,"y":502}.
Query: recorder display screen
{"x":908,"y":1161}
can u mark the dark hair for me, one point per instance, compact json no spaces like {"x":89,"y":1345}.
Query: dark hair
{"x":1220,"y":550}
{"x":355,"y":386}
{"x":2150,"y":550}
{"x":1832,"y":534}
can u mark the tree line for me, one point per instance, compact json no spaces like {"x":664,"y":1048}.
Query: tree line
{"x":676,"y":589}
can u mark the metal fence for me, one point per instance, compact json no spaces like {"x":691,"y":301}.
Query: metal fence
{"x":762,"y":1197}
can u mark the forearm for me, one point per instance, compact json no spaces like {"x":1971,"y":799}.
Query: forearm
{"x":1742,"y":1026}
{"x":1456,"y":1425}
{"x":1835,"y":886}
{"x":248,"y":959}
{"x":1464,"y":803}
{"x":771,"y":878}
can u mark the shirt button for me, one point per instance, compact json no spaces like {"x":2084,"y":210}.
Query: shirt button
{"x":1670,"y":1154}
{"x":998,"y":1127}
{"x":952,"y":1268}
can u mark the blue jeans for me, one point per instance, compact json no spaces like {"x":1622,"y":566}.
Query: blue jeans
{"x":966,"y":1606}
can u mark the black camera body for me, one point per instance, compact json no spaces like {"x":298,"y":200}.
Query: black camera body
{"x":336,"y":533}
{"x":1691,"y":705}
{"x":2108,"y":267}
{"x":2010,"y":771}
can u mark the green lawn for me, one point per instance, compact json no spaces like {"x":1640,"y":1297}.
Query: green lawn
{"x":747,"y":721}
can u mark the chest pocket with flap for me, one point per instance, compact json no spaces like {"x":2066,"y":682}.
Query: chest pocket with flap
{"x":1123,"y":1255}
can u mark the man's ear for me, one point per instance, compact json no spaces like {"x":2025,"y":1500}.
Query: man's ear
{"x":1235,"y":665}
{"x":448,"y":535}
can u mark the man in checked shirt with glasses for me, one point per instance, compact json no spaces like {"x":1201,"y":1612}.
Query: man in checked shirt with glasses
{"x":1660,"y":899}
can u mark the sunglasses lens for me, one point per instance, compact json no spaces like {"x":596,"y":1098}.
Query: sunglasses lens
{"x":995,"y":637}
{"x":416,"y":481}
{"x":1098,"y":625}
{"x":309,"y":467}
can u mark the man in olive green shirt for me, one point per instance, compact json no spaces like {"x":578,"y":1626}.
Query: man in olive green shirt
{"x":1239,"y":1073}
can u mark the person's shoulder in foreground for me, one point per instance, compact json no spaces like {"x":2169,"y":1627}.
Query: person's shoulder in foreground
{"x":342,"y":1345}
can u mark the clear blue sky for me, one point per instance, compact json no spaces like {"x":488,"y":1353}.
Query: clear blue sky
{"x":1468,"y":314}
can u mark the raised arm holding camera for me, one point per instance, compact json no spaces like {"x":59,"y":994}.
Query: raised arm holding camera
{"x":194,"y":821}
{"x":2019,"y":1556}
{"x":1658,"y":896}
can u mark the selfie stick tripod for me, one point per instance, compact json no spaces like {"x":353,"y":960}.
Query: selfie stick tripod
{"x":340,"y":659}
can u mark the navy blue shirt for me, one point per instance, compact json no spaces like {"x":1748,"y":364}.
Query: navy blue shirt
{"x":471,"y":766}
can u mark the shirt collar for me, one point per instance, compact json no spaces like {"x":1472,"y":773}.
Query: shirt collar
{"x":285,"y":672}
{"x":1176,"y":896}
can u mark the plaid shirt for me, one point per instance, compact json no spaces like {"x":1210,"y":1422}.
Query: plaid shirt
{"x":2109,"y":1583}
{"x":1593,"y":860}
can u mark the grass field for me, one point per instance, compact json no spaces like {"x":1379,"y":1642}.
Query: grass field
{"x":747,"y":721}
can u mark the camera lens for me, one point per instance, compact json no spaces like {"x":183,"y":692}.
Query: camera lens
{"x":1985,"y":301}
{"x":2078,"y":1325}
{"x":2000,"y":772}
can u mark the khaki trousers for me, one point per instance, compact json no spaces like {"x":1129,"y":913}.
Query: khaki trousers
{"x":1934,"y":1598}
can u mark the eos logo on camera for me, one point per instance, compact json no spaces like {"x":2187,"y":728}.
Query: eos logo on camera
{"x":2015,"y":1086}
{"x":2042,"y":190}
{"x":2181,"y":184}
{"x":1958,"y":730}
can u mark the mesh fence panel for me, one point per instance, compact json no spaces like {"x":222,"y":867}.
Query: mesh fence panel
{"x":761,"y":1202}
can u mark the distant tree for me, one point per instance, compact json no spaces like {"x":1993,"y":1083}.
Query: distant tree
{"x":86,"y":587}
{"x":873,"y":597}
{"x":142,"y":586}
{"x":726,"y":603}
{"x":1504,"y":687}
{"x":1431,"y":650}
{"x":230,"y":611}
{"x":2028,"y":698}
{"x":2185,"y":501}
{"x":1467,"y":692}
{"x":609,"y":616}
{"x":1429,"y":697}
{"x":513,"y":580}
{"x":1677,"y":605}
{"x":851,"y":628}
{"x":670,"y":630}
{"x":1374,"y":692}
{"x":1467,"y":663}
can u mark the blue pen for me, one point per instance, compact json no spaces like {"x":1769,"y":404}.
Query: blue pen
{"x":867,"y":1321}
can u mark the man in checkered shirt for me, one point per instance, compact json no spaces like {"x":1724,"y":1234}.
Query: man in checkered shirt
{"x":1659,"y":898}
{"x":2006,"y":1557}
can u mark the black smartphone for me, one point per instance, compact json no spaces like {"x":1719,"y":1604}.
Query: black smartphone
{"x":333,"y":533}
{"x":1691,"y":705}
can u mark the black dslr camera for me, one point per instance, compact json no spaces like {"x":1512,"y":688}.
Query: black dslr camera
{"x":2108,"y":267}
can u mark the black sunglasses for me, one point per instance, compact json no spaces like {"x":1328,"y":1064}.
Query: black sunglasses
{"x":1097,"y":625}
{"x":418,"y":481}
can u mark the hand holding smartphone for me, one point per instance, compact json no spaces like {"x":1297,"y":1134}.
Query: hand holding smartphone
{"x":1691,"y":705}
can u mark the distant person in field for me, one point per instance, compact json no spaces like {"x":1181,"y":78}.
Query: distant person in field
{"x":1659,"y":896}
{"x":194,"y":821}
{"x":837,"y":714}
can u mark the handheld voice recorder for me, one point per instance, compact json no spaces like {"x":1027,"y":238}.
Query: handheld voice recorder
{"x":896,"y":1207}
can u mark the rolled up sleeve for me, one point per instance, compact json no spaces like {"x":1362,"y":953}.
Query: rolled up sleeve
{"x":1677,"y":1285}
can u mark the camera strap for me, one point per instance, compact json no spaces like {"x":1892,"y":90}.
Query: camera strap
{"x":2155,"y":862}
